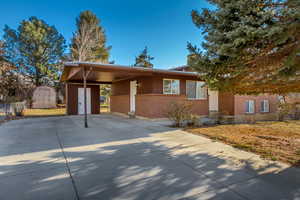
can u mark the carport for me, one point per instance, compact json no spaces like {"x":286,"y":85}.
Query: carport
{"x":83,"y":80}
{"x":136,"y":86}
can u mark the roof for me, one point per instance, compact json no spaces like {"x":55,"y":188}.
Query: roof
{"x":111,"y":72}
{"x":183,"y":68}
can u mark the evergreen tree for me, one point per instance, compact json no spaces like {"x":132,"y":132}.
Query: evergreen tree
{"x":250,"y":47}
{"x":144,"y":60}
{"x":2,"y":57}
{"x":89,"y":41}
{"x":10,"y":86}
{"x":35,"y":49}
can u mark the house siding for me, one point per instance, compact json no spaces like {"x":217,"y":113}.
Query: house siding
{"x":226,"y":103}
{"x":158,"y":83}
{"x":120,"y":88}
{"x":150,"y":100}
{"x":120,"y":103}
{"x":146,"y":85}
{"x":293,"y":98}
{"x":157,"y":105}
{"x":240,"y":108}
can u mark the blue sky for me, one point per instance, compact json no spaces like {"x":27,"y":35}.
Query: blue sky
{"x":165,"y":26}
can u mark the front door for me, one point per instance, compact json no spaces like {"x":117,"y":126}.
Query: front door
{"x":132,"y":95}
{"x":81,"y":100}
{"x":213,"y":100}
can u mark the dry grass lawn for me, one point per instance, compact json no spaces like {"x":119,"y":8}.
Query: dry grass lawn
{"x":271,"y":140}
{"x":51,"y":112}
{"x":44,"y":112}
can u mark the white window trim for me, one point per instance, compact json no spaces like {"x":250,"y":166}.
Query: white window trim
{"x":164,"y":92}
{"x":199,"y":98}
{"x":248,"y":112}
{"x":268,"y":108}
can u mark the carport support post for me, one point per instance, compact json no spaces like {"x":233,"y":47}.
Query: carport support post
{"x":85,"y":75}
{"x":85,"y":106}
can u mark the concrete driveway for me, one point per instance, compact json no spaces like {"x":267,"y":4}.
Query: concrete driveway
{"x":118,"y":158}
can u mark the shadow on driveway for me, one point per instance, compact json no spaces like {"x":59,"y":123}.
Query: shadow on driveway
{"x":118,"y":158}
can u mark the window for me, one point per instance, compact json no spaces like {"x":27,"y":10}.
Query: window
{"x":250,"y":106}
{"x":171,"y":86}
{"x":264,"y":106}
{"x":196,"y":90}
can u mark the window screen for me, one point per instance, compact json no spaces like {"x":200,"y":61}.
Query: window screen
{"x":171,"y":86}
{"x":196,"y":90}
{"x":167,"y":86}
{"x":264,"y":106}
{"x":250,"y":106}
{"x":191,"y":89}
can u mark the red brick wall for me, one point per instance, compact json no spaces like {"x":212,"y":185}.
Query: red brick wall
{"x":146,"y":85}
{"x":158,"y":84}
{"x":226,"y":103}
{"x":240,"y":101}
{"x":120,"y":103}
{"x":293,"y":98}
{"x":121,"y":88}
{"x":72,"y":98}
{"x":156,"y":105}
{"x":150,"y":100}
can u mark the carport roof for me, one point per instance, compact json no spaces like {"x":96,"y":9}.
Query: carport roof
{"x":108,"y":73}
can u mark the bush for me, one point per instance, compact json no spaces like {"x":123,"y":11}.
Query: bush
{"x":193,"y":120}
{"x":250,"y":119}
{"x":284,"y":109}
{"x":179,"y":112}
{"x":223,"y":117}
{"x":297,"y":111}
{"x":226,"y":119}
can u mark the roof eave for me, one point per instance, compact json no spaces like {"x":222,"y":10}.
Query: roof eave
{"x":69,"y":65}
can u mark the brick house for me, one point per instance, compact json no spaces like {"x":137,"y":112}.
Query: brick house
{"x":148,"y":92}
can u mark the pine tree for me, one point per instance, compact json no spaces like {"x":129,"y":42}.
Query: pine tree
{"x":14,"y":86}
{"x":144,"y":60}
{"x":89,"y":41}
{"x":250,"y":47}
{"x":35,"y":49}
{"x":2,"y":59}
{"x":8,"y":78}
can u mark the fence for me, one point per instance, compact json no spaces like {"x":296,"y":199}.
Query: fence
{"x":12,"y":108}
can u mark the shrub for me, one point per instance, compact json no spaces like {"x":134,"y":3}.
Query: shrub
{"x":193,"y":120}
{"x":250,"y":119}
{"x":284,"y":110}
{"x":179,"y":112}
{"x":297,"y":111}
{"x":224,"y":117}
